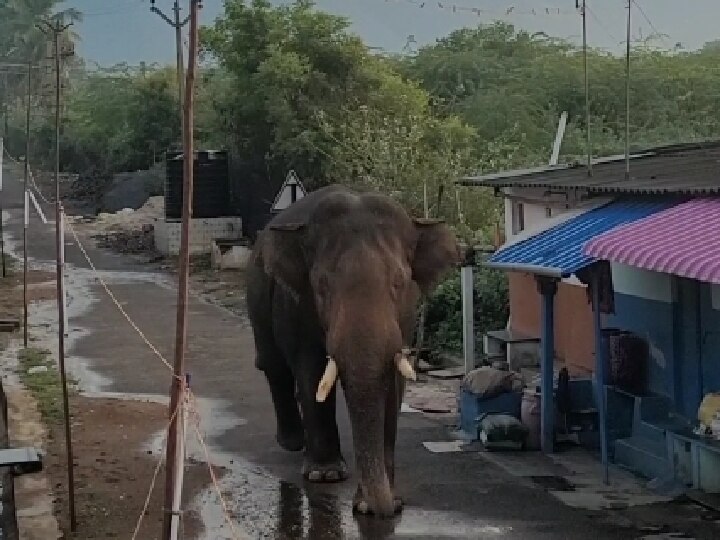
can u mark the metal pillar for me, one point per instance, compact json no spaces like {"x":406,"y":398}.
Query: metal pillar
{"x":600,"y":377}
{"x":548,"y":289}
{"x":467,"y":288}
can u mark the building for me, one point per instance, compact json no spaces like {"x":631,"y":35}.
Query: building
{"x":591,"y":257}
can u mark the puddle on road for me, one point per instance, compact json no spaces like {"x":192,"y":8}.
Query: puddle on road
{"x":263,"y":507}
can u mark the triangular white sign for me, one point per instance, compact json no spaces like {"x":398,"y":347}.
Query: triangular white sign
{"x":292,"y":190}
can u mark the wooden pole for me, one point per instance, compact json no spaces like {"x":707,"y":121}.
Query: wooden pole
{"x":57,"y":29}
{"x":175,"y":446}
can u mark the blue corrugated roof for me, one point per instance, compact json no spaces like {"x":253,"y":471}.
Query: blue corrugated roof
{"x":558,"y":251}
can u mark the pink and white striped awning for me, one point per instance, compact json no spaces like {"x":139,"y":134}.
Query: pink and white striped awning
{"x":683,"y":240}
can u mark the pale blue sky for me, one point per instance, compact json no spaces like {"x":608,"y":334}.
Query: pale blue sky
{"x":124,"y":30}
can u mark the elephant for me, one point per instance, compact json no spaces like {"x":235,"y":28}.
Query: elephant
{"x":333,"y":288}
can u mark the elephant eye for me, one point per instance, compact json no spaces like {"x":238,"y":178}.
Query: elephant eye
{"x":399,"y":281}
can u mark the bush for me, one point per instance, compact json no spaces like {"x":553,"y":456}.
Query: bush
{"x":443,"y":323}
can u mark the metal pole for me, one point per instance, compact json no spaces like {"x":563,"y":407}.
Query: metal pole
{"x":468,"y":310}
{"x":559,"y":136}
{"x":548,"y":288}
{"x":2,"y":219}
{"x":587,"y":89}
{"x":600,"y":375}
{"x":627,"y":92}
{"x":60,"y":263}
{"x":174,"y":457}
{"x":26,"y":176}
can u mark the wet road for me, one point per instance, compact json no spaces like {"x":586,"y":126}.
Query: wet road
{"x":457,"y":495}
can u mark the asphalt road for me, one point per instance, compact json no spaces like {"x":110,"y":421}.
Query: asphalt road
{"x":456,"y":495}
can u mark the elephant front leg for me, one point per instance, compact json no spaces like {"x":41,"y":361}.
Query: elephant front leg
{"x":323,"y":460}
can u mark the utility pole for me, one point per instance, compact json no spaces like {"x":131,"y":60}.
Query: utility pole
{"x":2,"y":155}
{"x":588,"y":134}
{"x":57,"y":30}
{"x":176,"y":437}
{"x":2,"y":219}
{"x":627,"y":90}
{"x":26,"y":215}
{"x":178,"y":25}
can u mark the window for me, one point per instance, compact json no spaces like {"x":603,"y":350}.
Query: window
{"x":518,"y":217}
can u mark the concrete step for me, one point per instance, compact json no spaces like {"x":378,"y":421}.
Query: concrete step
{"x":652,"y":432}
{"x":643,"y":456}
{"x":653,"y":408}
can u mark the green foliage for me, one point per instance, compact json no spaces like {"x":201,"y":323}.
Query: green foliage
{"x":120,"y":122}
{"x":444,"y":308}
{"x":44,"y":384}
{"x":512,"y":85}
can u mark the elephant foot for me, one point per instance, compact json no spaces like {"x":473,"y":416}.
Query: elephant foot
{"x":361,"y":506}
{"x":327,"y":473}
{"x":292,"y":442}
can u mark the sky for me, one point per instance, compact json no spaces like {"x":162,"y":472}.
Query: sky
{"x":115,"y":31}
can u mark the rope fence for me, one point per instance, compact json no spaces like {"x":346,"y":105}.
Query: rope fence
{"x":190,"y":400}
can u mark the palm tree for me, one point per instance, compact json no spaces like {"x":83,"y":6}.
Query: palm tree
{"x":22,"y":41}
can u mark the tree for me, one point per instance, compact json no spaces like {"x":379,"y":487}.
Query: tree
{"x":120,"y":121}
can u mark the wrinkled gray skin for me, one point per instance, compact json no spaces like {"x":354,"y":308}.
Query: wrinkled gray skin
{"x":340,"y":274}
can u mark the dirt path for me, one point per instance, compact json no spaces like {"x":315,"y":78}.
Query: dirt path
{"x":114,"y":468}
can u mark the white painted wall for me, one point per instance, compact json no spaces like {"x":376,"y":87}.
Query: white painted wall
{"x":536,"y":204}
{"x":643,"y":283}
{"x":715,"y":296}
{"x":202,"y":233}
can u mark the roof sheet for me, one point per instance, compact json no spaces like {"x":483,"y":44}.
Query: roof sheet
{"x":684,"y":241}
{"x":691,"y":169}
{"x":558,"y":251}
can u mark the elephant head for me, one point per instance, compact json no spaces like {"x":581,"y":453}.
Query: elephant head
{"x":365,"y":263}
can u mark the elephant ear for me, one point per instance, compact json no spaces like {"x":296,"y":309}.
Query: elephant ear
{"x":283,"y":256}
{"x":436,"y":252}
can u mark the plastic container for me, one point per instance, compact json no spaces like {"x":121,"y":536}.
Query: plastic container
{"x":709,"y":407}
{"x":530,"y":417}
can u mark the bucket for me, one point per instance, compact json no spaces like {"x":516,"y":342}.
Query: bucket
{"x":530,"y":417}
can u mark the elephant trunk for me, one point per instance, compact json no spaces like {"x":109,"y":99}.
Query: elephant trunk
{"x":366,"y":349}
{"x":366,"y":406}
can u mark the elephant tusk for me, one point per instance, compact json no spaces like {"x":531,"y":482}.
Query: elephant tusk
{"x":327,"y":381}
{"x":404,"y":366}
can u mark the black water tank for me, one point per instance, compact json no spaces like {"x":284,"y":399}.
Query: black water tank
{"x":211,"y":192}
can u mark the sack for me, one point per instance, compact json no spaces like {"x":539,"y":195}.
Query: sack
{"x":502,"y":431}
{"x":487,"y":382}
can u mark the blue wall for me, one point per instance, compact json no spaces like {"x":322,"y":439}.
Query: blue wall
{"x":652,"y":320}
{"x":681,"y":321}
{"x":710,"y":338}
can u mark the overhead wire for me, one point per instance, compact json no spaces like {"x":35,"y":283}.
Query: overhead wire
{"x":659,"y":34}
{"x":506,"y":12}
